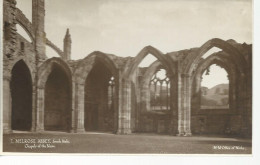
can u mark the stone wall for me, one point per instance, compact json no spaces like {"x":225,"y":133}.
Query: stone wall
{"x":216,"y":121}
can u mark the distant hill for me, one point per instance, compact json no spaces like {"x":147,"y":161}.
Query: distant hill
{"x":220,"y":89}
{"x":215,"y":96}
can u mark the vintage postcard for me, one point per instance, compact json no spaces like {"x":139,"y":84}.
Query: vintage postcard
{"x":127,"y":77}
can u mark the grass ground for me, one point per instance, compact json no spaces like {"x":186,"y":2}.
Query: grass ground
{"x":124,"y":144}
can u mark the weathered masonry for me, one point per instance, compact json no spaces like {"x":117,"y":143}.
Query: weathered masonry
{"x":104,"y":92}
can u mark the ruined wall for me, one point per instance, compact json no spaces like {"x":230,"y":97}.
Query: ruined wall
{"x":88,"y":91}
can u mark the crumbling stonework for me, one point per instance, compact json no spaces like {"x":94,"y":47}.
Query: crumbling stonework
{"x":71,"y":95}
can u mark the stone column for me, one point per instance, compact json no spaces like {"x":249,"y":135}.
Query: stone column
{"x":184,"y":115}
{"x":173,"y":104}
{"x":7,"y":105}
{"x":38,"y":24}
{"x":116,"y":99}
{"x":180,"y":107}
{"x":40,"y":110}
{"x":79,"y":108}
{"x":73,"y":113}
{"x":34,"y":102}
{"x":242,"y":106}
{"x":124,"y":116}
{"x":187,"y":105}
{"x":232,"y":92}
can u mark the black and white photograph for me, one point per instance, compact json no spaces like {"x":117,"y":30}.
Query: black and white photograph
{"x":127,"y":77}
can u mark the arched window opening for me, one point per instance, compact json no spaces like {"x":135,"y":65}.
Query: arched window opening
{"x":23,"y":33}
{"x":22,"y":46}
{"x":160,"y":91}
{"x":210,"y":52}
{"x":214,"y":88}
{"x":21,"y":93}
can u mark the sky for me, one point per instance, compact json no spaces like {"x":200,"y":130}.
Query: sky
{"x":124,"y":27}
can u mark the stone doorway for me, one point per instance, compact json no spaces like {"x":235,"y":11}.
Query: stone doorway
{"x":21,"y":93}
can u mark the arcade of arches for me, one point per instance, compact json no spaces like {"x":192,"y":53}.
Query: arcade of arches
{"x":108,"y":93}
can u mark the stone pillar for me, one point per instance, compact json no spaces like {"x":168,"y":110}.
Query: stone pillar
{"x":124,"y":116}
{"x":173,"y":104}
{"x":7,"y":105}
{"x":116,"y":104}
{"x":79,"y":108}
{"x":180,"y":109}
{"x":184,"y":113}
{"x":233,"y":92}
{"x":38,"y":20}
{"x":242,"y":106}
{"x":73,"y":113}
{"x":187,"y":104}
{"x":40,"y":110}
{"x":34,"y":110}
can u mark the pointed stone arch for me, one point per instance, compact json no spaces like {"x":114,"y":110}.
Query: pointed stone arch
{"x":150,"y":72}
{"x":27,"y":63}
{"x":21,"y":97}
{"x":231,"y":116}
{"x":234,"y":53}
{"x":189,"y":66}
{"x":165,"y":61}
{"x":88,"y":62}
{"x":82,"y":72}
{"x":222,"y":60}
{"x":46,"y":68}
{"x":54,"y":87}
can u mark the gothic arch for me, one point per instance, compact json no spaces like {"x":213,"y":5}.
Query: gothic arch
{"x":80,"y":75}
{"x":228,"y":114}
{"x":46,"y":68}
{"x":165,"y":61}
{"x":21,"y":94}
{"x":86,"y":65}
{"x":224,"y":45}
{"x":222,"y":60}
{"x":27,"y":63}
{"x":54,"y":106}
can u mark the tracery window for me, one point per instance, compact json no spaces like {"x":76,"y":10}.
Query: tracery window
{"x":160,"y":91}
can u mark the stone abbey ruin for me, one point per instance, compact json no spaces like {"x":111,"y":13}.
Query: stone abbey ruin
{"x":107,"y":93}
